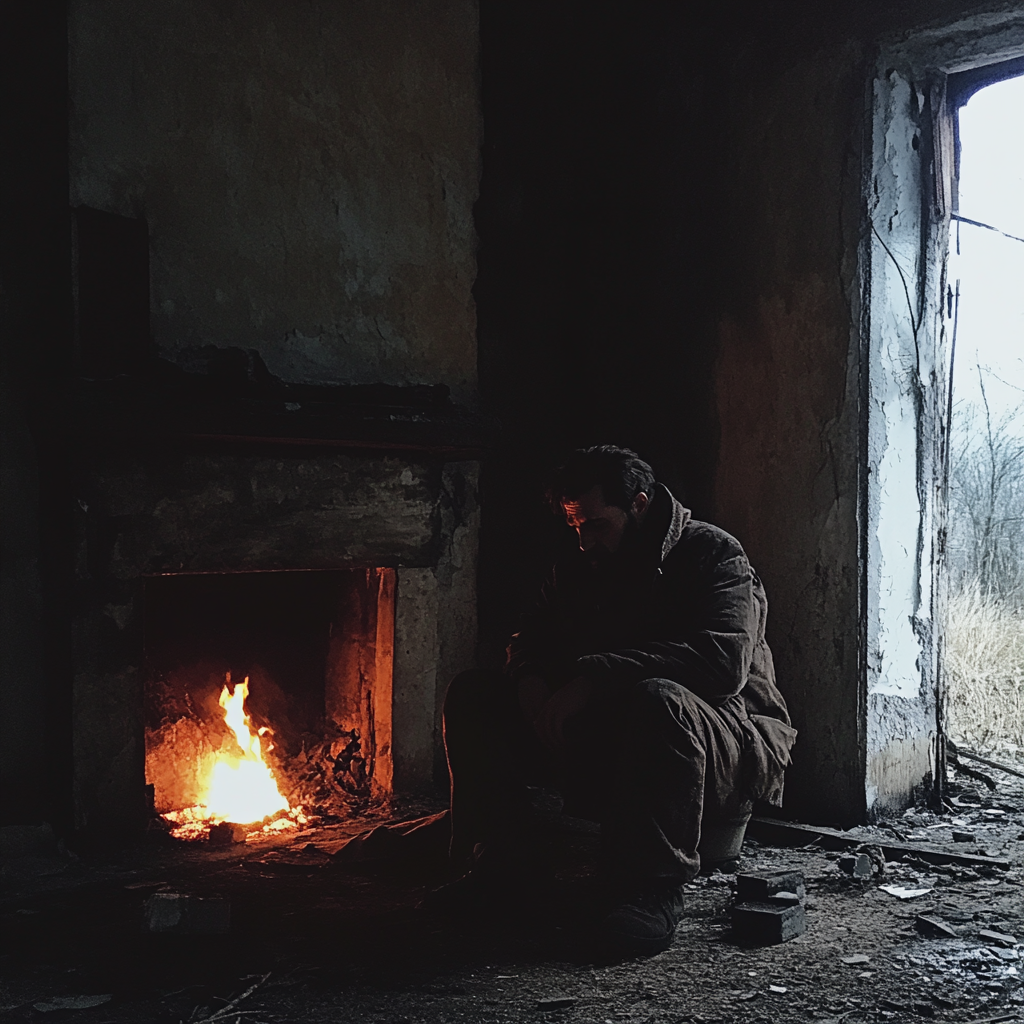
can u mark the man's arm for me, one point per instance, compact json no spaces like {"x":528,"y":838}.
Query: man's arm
{"x":710,"y":656}
{"x":539,"y":642}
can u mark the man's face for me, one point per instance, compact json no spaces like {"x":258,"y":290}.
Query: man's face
{"x":600,"y":526}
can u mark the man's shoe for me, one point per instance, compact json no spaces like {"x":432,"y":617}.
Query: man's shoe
{"x":645,"y":923}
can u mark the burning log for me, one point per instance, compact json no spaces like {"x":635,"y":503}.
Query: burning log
{"x":225,"y":833}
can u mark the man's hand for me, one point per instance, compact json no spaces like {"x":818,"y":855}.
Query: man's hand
{"x":562,"y":705}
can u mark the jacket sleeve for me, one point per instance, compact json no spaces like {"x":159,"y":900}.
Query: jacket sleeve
{"x":538,"y":643}
{"x":710,"y":654}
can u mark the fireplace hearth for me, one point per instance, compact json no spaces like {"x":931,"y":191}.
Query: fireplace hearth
{"x":341,"y":582}
{"x":314,"y":652}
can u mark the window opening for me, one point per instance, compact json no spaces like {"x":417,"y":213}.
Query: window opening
{"x":984,"y":629}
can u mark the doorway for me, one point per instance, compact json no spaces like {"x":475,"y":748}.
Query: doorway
{"x":983,"y":629}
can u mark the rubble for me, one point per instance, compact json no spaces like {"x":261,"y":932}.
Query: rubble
{"x":861,"y":943}
{"x":934,"y":927}
{"x":768,"y":908}
{"x":773,"y":830}
{"x":177,"y":914}
{"x":766,"y":924}
{"x":766,"y":884}
{"x":903,"y":892}
{"x":857,"y":865}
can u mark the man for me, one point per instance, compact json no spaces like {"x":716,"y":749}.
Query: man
{"x":641,"y":683}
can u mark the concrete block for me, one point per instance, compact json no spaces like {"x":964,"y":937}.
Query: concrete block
{"x":764,"y":885}
{"x":765,"y":924}
{"x":172,"y":913}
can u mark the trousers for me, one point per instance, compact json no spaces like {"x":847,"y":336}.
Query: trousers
{"x":649,"y":761}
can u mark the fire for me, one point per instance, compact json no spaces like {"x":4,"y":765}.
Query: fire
{"x":240,"y":786}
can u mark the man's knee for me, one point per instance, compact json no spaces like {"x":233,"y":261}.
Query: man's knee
{"x":662,"y":703}
{"x":471,"y":693}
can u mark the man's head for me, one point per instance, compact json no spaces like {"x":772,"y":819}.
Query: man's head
{"x":602,"y":491}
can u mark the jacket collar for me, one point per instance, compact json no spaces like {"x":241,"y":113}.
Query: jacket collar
{"x":665,"y":522}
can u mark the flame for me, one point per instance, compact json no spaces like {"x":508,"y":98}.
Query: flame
{"x":240,"y":787}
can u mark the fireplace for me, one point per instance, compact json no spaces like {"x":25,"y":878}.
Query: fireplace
{"x":268,"y":695}
{"x":340,"y":582}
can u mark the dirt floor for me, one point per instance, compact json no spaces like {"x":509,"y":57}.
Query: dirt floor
{"x":311,"y":942}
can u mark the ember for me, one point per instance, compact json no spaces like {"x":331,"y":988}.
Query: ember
{"x":240,"y":786}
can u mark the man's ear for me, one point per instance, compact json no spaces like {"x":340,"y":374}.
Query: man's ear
{"x":639,"y":507}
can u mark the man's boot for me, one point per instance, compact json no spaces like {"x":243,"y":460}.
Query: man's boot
{"x":644,"y":923}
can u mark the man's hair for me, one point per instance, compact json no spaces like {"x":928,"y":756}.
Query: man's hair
{"x":621,"y":473}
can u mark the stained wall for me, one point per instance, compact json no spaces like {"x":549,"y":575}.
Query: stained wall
{"x":673,"y":218}
{"x":307,"y":173}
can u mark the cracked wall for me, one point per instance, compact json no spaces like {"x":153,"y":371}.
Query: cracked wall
{"x":307,"y":173}
{"x":787,"y":385}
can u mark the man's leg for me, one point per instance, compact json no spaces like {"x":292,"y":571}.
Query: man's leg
{"x":483,"y":736}
{"x":678,"y":759}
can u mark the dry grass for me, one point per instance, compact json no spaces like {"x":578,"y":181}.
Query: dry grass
{"x":984,"y":677}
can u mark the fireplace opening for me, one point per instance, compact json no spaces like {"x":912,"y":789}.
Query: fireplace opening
{"x":268,"y":698}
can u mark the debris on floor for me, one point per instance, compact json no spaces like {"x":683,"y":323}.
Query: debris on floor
{"x":172,"y":913}
{"x":310,"y":939}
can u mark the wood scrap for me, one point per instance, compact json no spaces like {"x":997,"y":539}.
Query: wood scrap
{"x":232,"y":1007}
{"x":773,"y":830}
{"x":989,"y":763}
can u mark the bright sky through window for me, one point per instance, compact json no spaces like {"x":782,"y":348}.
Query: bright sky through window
{"x":991,"y":267}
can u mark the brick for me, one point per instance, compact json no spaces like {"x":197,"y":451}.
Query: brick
{"x":764,"y":885}
{"x":765,"y":924}
{"x":172,"y":913}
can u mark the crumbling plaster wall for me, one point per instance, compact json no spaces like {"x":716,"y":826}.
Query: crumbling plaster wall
{"x":787,"y":382}
{"x":307,"y":172}
{"x":830,"y":390}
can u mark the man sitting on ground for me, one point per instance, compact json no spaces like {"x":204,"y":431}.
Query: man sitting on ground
{"x":641,"y":683}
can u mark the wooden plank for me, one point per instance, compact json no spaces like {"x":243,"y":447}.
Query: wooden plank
{"x":991,"y":764}
{"x":769,"y":829}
